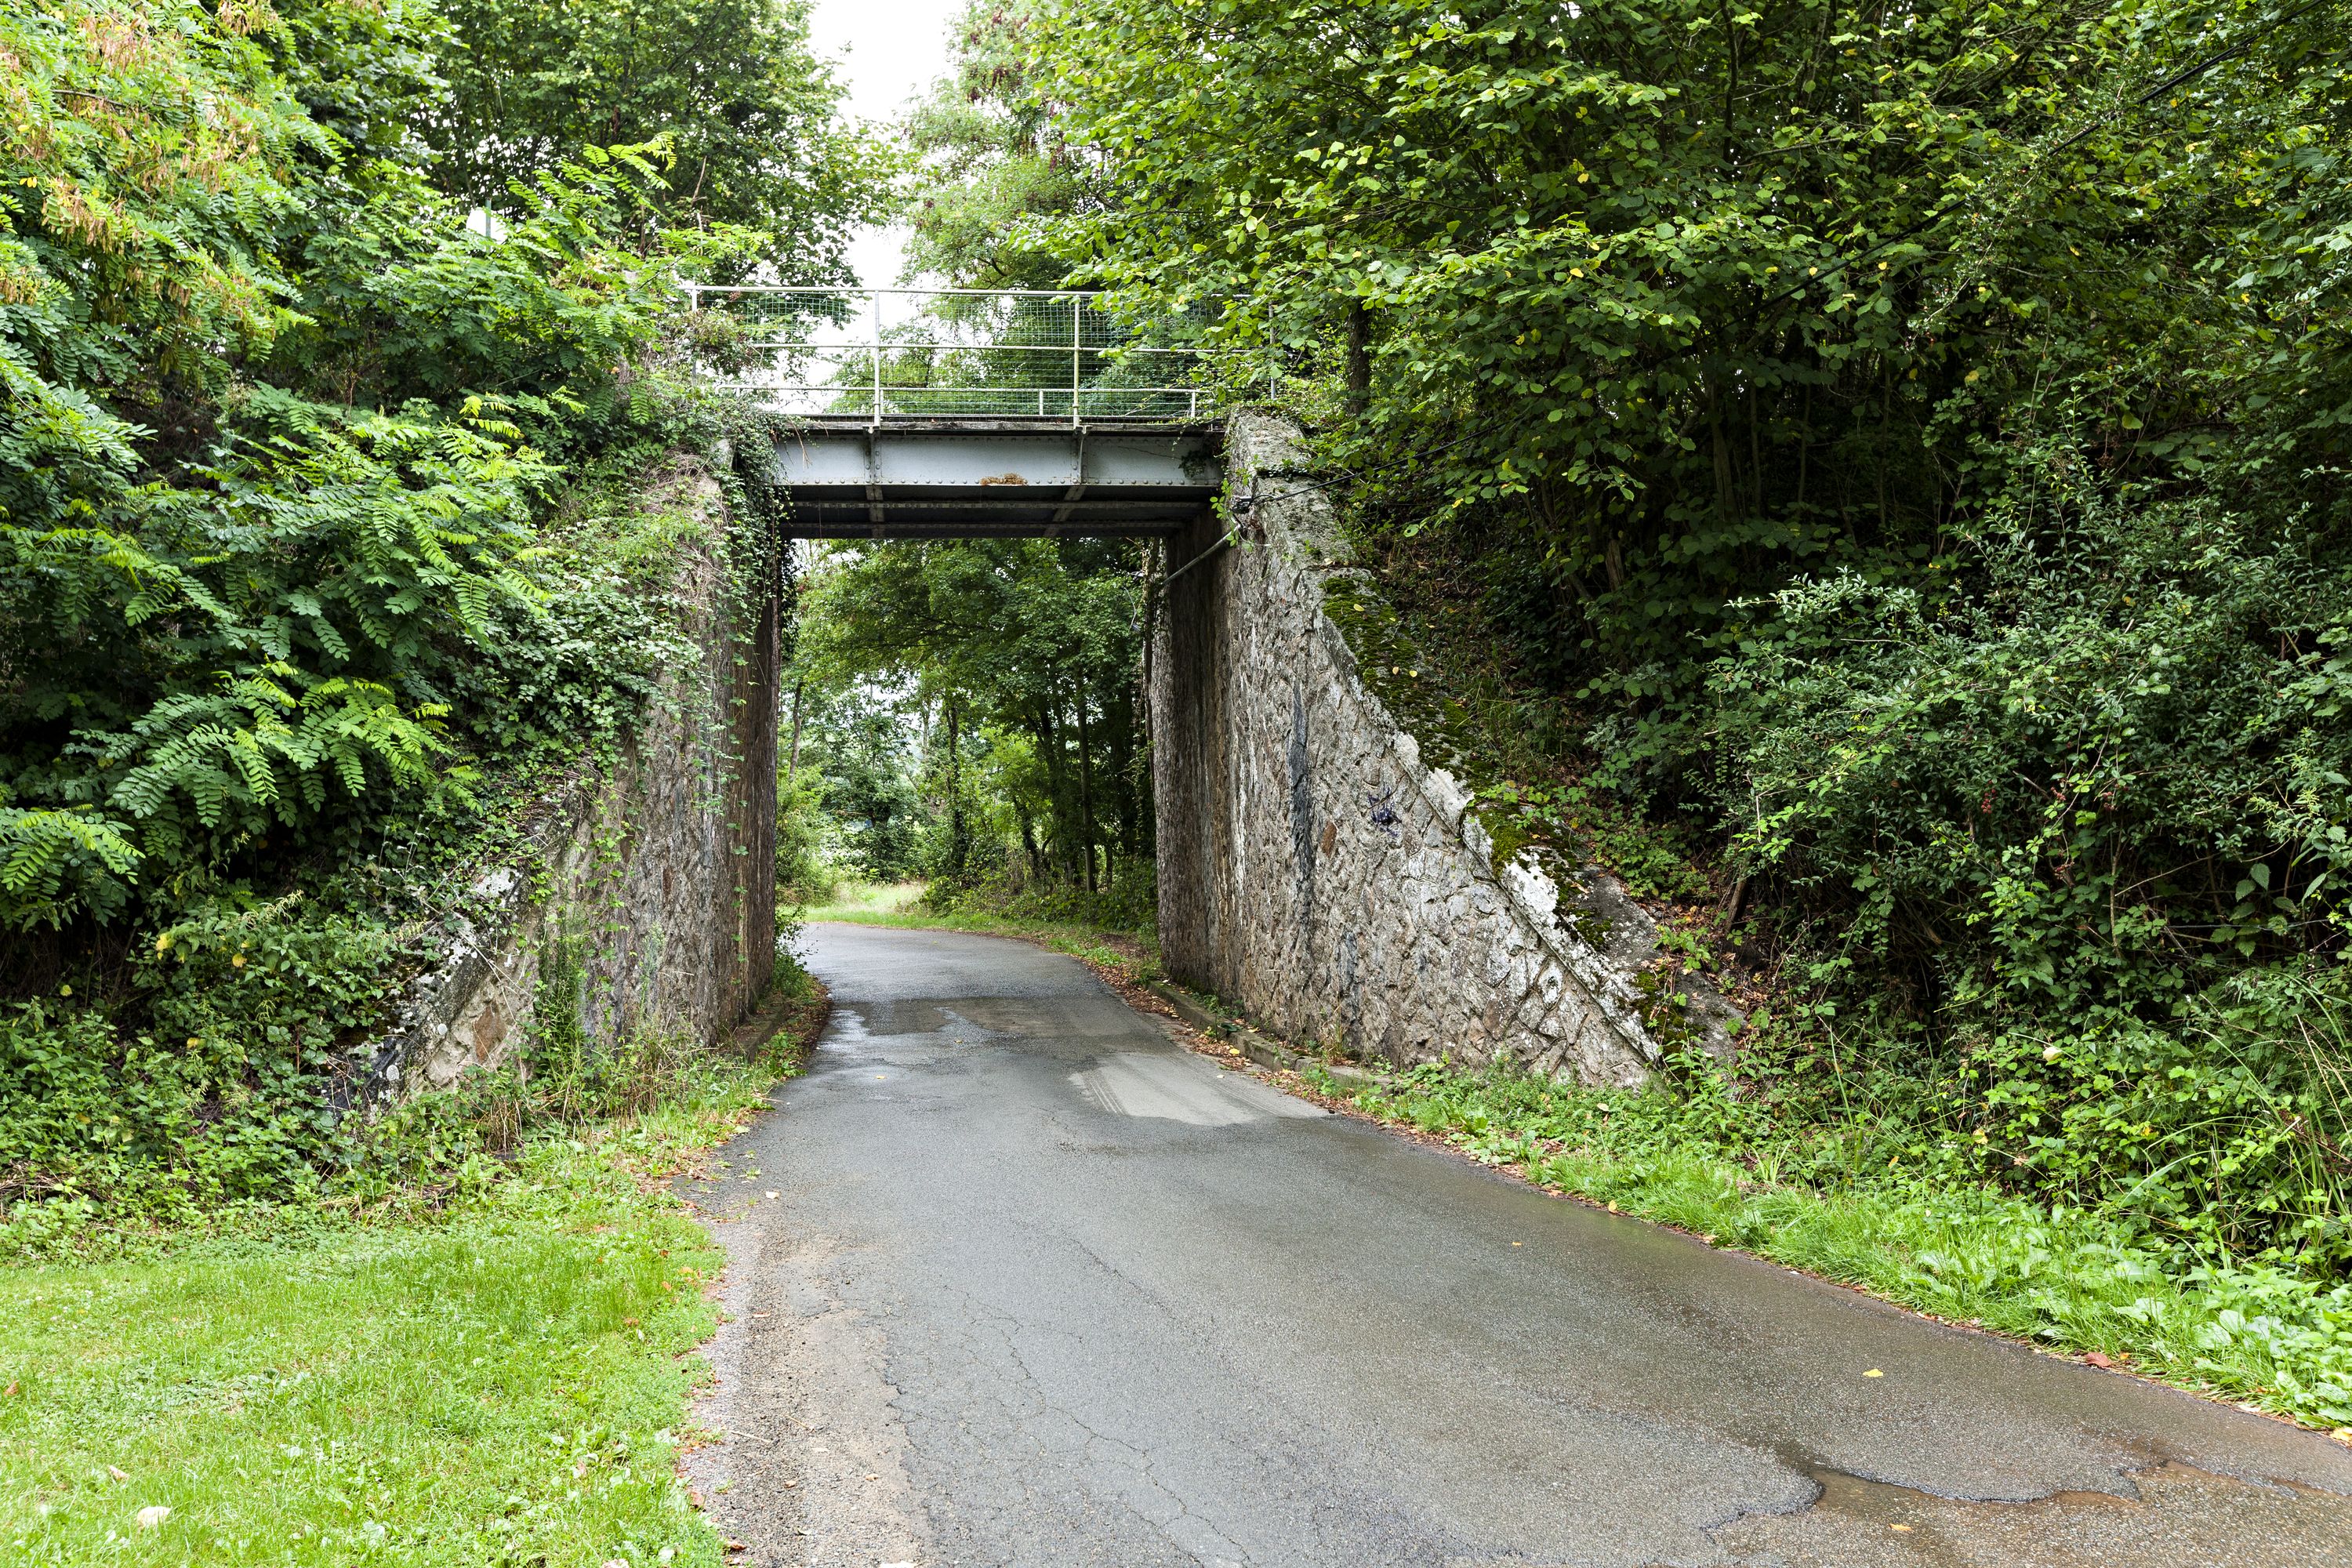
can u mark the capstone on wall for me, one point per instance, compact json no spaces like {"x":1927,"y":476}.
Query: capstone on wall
{"x":654,"y":871}
{"x":1315,"y":871}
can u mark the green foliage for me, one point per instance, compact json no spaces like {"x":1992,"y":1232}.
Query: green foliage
{"x":1023,"y":657}
{"x":1128,"y":903}
{"x":270,"y":471}
{"x":744,"y":112}
{"x":230,"y":1090}
{"x":858,"y":805}
{"x":1914,"y":443}
{"x":325,"y":549}
{"x":806,"y":872}
{"x":2229,"y":1127}
{"x":994,"y":163}
{"x":2110,"y":742}
{"x":1902,"y":451}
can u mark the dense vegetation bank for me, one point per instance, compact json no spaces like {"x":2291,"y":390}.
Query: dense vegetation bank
{"x":1872,"y":475}
{"x":321,"y":556}
{"x":338,"y":346}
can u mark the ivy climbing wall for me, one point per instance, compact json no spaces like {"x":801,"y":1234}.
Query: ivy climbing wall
{"x":646,"y":903}
{"x":1324,"y":861}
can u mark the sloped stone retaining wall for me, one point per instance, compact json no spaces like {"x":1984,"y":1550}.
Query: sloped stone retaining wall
{"x":649,"y":895}
{"x":1316,"y":871}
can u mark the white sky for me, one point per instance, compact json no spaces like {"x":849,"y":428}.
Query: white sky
{"x":890,"y":50}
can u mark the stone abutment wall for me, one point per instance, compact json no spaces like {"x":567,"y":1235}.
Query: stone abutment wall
{"x":645,"y":903}
{"x":1317,"y":870}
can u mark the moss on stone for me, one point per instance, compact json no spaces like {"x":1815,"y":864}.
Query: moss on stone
{"x":1392,"y":665}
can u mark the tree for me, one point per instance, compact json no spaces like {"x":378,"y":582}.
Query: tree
{"x":279,"y":435}
{"x":1774,"y":368}
{"x":994,"y":168}
{"x":1037,"y":638}
{"x":746,"y":113}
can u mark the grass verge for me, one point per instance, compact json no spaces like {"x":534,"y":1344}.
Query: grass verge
{"x":500,"y":1380}
{"x":2075,"y":1281}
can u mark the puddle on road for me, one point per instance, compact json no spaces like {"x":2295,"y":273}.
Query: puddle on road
{"x":973,"y":1020}
{"x":2182,"y":1516}
{"x":1163,"y":1086}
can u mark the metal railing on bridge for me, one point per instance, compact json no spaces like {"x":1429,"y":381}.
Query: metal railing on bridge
{"x":876,"y":355}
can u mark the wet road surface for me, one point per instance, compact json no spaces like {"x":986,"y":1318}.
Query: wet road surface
{"x":1038,"y":1287}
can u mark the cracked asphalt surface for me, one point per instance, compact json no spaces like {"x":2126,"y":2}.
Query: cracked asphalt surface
{"x":1039,"y":1287}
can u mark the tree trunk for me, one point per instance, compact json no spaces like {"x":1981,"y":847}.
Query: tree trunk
{"x":793,"y":767}
{"x":1359,"y":357}
{"x":1057,"y":775}
{"x":1726,"y":486}
{"x":1029,"y":843}
{"x":1087,"y":790}
{"x":958,"y":847}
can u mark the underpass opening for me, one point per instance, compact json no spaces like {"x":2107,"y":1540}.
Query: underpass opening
{"x":917,"y":418}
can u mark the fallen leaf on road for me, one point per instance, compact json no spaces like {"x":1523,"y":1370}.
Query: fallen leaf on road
{"x":2093,"y":1358}
{"x":1874,"y":1372}
{"x":1904,"y":1527}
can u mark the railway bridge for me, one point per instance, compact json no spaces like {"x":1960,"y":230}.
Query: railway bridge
{"x":1312,"y":868}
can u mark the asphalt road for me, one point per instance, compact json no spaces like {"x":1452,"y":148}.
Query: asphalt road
{"x":1037,"y":1286}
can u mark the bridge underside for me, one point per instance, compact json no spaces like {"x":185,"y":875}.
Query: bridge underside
{"x":965,"y":478}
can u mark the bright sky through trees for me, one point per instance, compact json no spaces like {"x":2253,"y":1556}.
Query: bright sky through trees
{"x":890,"y":50}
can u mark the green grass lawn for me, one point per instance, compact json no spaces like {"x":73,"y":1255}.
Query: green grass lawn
{"x":502,"y":1383}
{"x":869,"y":903}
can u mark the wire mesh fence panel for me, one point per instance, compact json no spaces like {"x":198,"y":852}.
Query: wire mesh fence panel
{"x":892,"y":353}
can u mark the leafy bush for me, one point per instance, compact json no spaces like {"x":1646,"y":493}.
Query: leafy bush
{"x":231,"y":1086}
{"x":806,"y":872}
{"x":269,"y":476}
{"x":2104,"y":737}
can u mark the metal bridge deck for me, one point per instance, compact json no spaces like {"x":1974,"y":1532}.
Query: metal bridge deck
{"x":936,"y":477}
